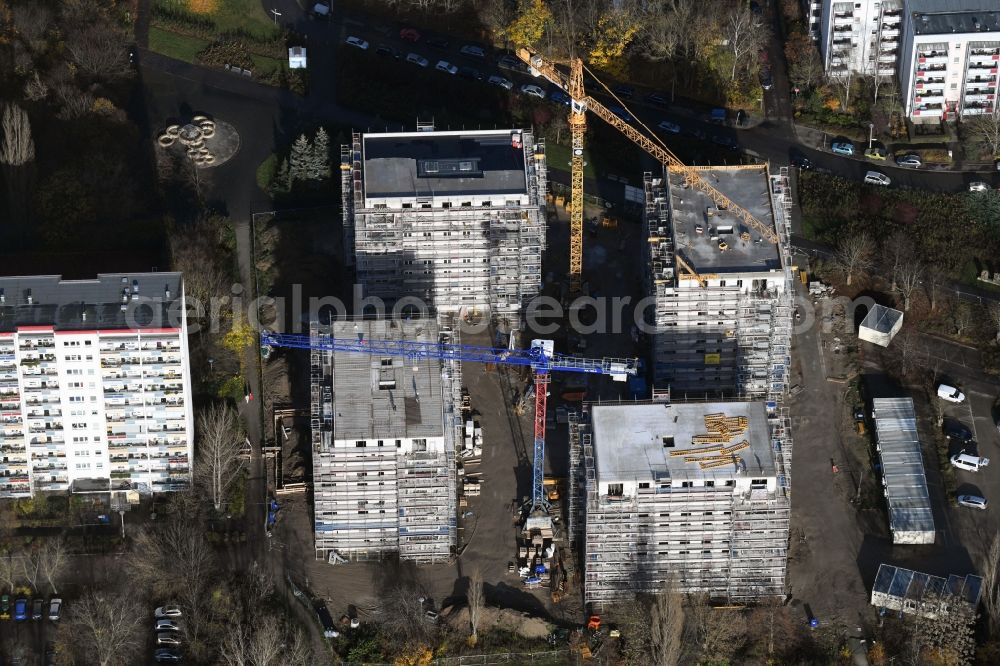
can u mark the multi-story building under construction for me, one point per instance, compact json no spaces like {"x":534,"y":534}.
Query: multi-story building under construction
{"x":453,"y":219}
{"x":383,"y":442}
{"x":722,"y":314}
{"x":692,"y":494}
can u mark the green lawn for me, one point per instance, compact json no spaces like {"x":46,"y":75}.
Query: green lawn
{"x":248,"y":15}
{"x":264,"y":64}
{"x":558,"y":157}
{"x":181,"y":47}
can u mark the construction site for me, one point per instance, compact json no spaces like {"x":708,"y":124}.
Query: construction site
{"x":695,"y":493}
{"x":453,"y":219}
{"x":722,"y":318}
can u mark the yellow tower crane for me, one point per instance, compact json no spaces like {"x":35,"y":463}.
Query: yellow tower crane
{"x":580,"y":103}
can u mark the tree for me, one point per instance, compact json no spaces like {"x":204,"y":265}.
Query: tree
{"x":991,"y":585}
{"x":104,"y":628}
{"x":98,"y":48}
{"x":993,"y":312}
{"x":10,"y":571}
{"x":667,"y":626}
{"x":805,"y":69}
{"x":961,"y":317}
{"x":475,"y":596}
{"x":321,"y":155}
{"x":533,"y":17}
{"x":615,"y":32}
{"x":899,"y":250}
{"x":983,"y":131}
{"x":906,"y":276}
{"x":197,"y":252}
{"x":936,"y":277}
{"x":854,"y":255}
{"x":949,"y":637}
{"x":401,"y":617}
{"x":52,"y":561}
{"x":843,"y":86}
{"x":661,"y":29}
{"x":496,"y":15}
{"x":714,"y":635}
{"x":746,"y":35}
{"x":17,"y":155}
{"x":298,"y":160}
{"x":220,"y":443}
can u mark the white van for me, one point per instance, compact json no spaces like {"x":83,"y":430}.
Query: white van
{"x":969,"y":463}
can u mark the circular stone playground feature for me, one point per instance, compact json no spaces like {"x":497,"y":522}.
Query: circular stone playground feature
{"x":206,"y":142}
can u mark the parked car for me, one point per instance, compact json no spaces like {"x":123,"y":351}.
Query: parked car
{"x":669,"y":127}
{"x":37,"y":609}
{"x":500,"y":81}
{"x":55,"y":609}
{"x":842,"y":148}
{"x":5,"y":607}
{"x":968,"y":462}
{"x":979,"y":186}
{"x":438,"y":43}
{"x":168,"y":638}
{"x":511,"y":63}
{"x":694,"y":132}
{"x":718,"y":116}
{"x":417,"y":59}
{"x":168,"y":612}
{"x":473,"y":50}
{"x":876,"y":153}
{"x":657,"y":99}
{"x":950,"y":393}
{"x":798,"y":159}
{"x":357,"y":42}
{"x":725,"y":142}
{"x":973,"y":502}
{"x":912,"y":161}
{"x":471,"y":73}
{"x":559,"y":97}
{"x":621,"y":113}
{"x":167,"y":625}
{"x":446,"y":67}
{"x":167,"y":656}
{"x":388,"y":52}
{"x":409,"y":34}
{"x":533,"y":90}
{"x":20,"y":609}
{"x":957,"y":430}
{"x":877,"y":178}
{"x":628,"y":92}
{"x":766,"y":82}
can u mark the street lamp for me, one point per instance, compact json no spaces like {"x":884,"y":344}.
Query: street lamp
{"x":871,"y":131}
{"x":276,"y":15}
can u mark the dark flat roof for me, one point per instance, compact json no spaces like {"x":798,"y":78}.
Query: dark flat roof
{"x":934,"y":17}
{"x":62,"y":303}
{"x":401,"y":165}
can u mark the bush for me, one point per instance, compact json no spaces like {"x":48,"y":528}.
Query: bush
{"x":227,"y":52}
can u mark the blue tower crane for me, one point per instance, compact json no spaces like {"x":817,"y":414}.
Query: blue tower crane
{"x":540,"y":357}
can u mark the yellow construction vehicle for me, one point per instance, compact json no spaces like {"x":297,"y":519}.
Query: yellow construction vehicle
{"x":552,"y":488}
{"x":580,"y":103}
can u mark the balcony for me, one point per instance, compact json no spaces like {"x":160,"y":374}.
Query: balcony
{"x":981,"y":69}
{"x":926,"y":110}
{"x":932,"y":58}
{"x":976,"y":109}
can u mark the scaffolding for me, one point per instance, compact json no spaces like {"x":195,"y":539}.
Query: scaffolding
{"x":455,"y":252}
{"x":724,"y":334}
{"x":720,"y":531}
{"x":384,"y":445}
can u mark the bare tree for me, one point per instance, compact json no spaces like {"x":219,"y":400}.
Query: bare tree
{"x":899,"y":249}
{"x":946,"y":625}
{"x":220,"y":442}
{"x":993,"y":312}
{"x":496,"y":15}
{"x":10,"y":570}
{"x":991,"y":585}
{"x":476,"y":598}
{"x":195,"y":252}
{"x":52,"y":561}
{"x":936,"y":276}
{"x":906,"y":276}
{"x":401,"y":616}
{"x":662,"y":27}
{"x":714,"y":635}
{"x":854,"y":255}
{"x":104,"y":628}
{"x":983,"y":130}
{"x":667,"y":625}
{"x":17,"y":155}
{"x":909,"y":351}
{"x":746,"y":33}
{"x":843,"y":87}
{"x":265,"y":640}
{"x":31,"y":567}
{"x":961,"y":317}
{"x":35,"y":89}
{"x":99,"y":49}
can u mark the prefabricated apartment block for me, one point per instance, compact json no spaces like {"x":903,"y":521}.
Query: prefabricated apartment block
{"x":453,"y":219}
{"x":383,"y":440}
{"x":911,"y":519}
{"x":95,"y":384}
{"x":686,"y":491}
{"x":729,"y":333}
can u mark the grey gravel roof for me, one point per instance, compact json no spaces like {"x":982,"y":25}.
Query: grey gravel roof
{"x":395,"y":164}
{"x":91,"y":304}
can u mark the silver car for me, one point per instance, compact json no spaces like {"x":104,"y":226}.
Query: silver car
{"x":877,"y":178}
{"x":973,"y":502}
{"x":912,"y":161}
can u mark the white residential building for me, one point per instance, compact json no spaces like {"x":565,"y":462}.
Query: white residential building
{"x":858,"y":37}
{"x":453,"y":219}
{"x":951,"y":52}
{"x":95,"y":384}
{"x":691,"y":492}
{"x":383,"y":436}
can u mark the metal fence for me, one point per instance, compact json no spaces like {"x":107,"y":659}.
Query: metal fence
{"x":547,"y":657}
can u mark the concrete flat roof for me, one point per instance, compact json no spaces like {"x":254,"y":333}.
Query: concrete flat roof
{"x":629,"y":441}
{"x":691,"y":208}
{"x":49,"y":300}
{"x":427,"y":164}
{"x":957,"y":17}
{"x":386,"y":398}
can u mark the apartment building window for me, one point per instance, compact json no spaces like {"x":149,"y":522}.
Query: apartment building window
{"x":643,"y":486}
{"x":954,"y":86}
{"x":359,"y":443}
{"x":686,"y":484}
{"x":616,"y":489}
{"x":668,"y":441}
